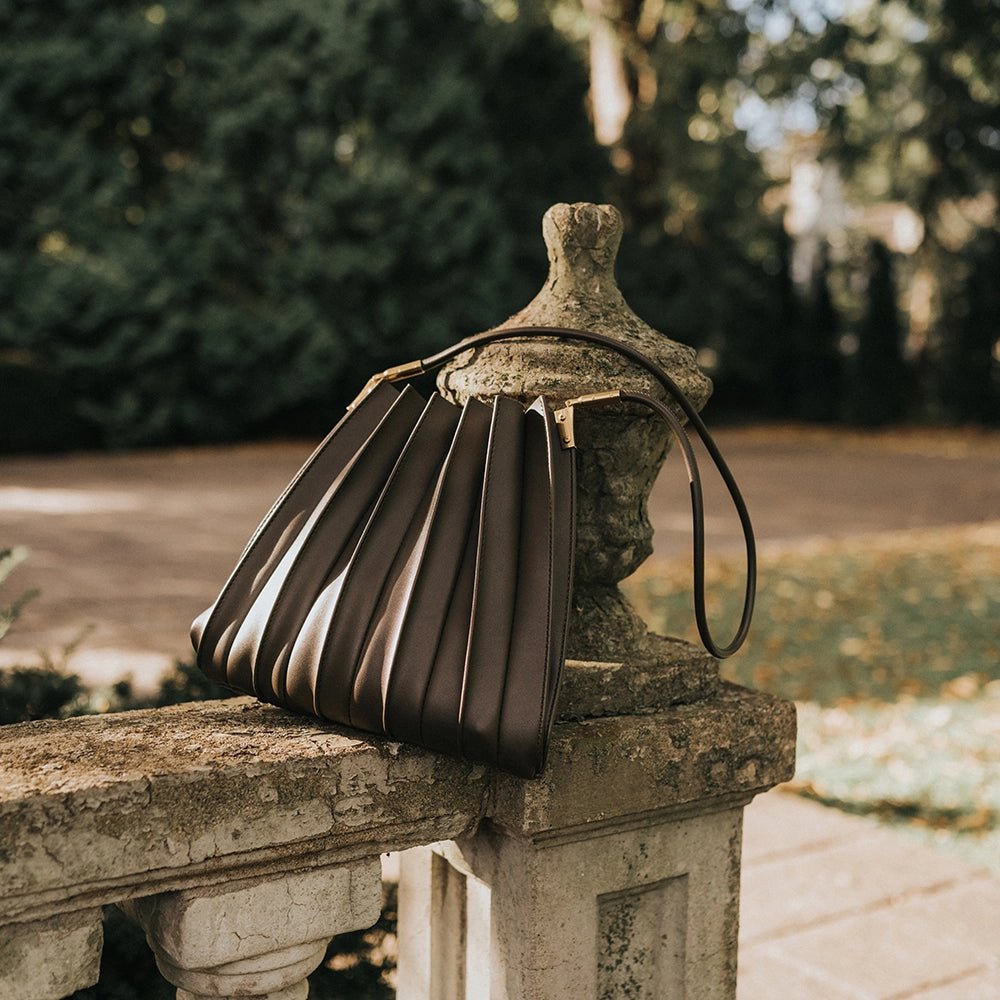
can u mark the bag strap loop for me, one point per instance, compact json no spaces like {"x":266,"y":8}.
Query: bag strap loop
{"x":564,"y":419}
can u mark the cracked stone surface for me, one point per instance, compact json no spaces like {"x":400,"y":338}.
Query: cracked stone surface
{"x":94,"y":810}
{"x":202,"y":792}
{"x":256,"y":917}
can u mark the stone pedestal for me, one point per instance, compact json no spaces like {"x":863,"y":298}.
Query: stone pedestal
{"x":616,"y":873}
{"x":636,"y":911}
{"x":621,"y":447}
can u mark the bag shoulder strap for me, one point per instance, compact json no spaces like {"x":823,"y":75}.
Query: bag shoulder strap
{"x":674,"y":391}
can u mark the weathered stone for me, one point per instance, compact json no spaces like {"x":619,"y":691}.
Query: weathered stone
{"x":620,"y":448}
{"x":202,"y":793}
{"x":444,"y":947}
{"x":665,"y":672}
{"x":95,"y":810}
{"x":266,"y":936}
{"x":602,"y":772}
{"x":614,"y":875}
{"x":50,"y":959}
{"x":650,"y":910}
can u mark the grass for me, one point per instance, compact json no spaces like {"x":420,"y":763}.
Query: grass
{"x":891,"y":647}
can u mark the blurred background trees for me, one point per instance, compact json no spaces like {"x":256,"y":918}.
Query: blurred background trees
{"x":220,"y":218}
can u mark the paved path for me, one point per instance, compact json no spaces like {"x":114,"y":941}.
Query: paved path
{"x":836,"y":907}
{"x":833,"y":906}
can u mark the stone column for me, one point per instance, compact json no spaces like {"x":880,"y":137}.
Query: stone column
{"x":256,"y":938}
{"x":616,"y":873}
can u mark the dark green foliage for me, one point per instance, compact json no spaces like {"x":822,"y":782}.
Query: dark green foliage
{"x":783,"y":348}
{"x":906,"y":97}
{"x":818,"y":365}
{"x":219,"y":218}
{"x":877,"y":383}
{"x":128,"y":969}
{"x":185,"y":683}
{"x":970,"y":371}
{"x":42,"y":692}
{"x":48,"y":691}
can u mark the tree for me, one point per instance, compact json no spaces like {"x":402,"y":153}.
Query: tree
{"x":970,"y":366}
{"x":818,"y":380}
{"x":877,"y":388}
{"x":907,"y":98}
{"x":701,"y":258}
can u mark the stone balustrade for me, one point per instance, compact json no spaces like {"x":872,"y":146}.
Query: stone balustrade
{"x":242,"y":838}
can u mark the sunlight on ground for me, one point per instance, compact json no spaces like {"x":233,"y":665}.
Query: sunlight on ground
{"x":21,"y":500}
{"x":101,"y":667}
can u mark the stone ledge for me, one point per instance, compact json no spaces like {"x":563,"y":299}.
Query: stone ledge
{"x":98,"y":809}
{"x":603,"y":772}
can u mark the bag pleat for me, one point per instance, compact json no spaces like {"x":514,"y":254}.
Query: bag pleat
{"x":408,"y":638}
{"x":392,"y":528}
{"x":319,"y":554}
{"x":495,"y":585}
{"x":440,"y":714}
{"x":213,"y":631}
{"x":541,"y":608}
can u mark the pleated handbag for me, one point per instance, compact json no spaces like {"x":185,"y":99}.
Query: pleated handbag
{"x":413,"y":580}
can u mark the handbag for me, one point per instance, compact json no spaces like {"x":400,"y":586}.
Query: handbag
{"x":414,"y":578}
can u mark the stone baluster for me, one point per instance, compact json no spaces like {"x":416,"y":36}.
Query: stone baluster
{"x":256,"y":938}
{"x":616,"y":873}
{"x":52,"y":958}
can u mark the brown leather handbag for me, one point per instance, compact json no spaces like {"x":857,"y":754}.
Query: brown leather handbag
{"x":414,"y":578}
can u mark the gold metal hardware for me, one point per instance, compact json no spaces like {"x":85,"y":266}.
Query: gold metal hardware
{"x":408,"y":370}
{"x":393,"y":374}
{"x":564,"y":415}
{"x":594,"y":397}
{"x":564,"y":424}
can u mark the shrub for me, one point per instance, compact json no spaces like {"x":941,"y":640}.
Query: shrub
{"x":219,"y":218}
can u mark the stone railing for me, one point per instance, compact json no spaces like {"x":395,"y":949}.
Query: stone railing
{"x":243,"y":838}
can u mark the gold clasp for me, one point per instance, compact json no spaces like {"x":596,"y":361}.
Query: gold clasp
{"x":564,"y":424}
{"x":394,"y":374}
{"x":564,"y":415}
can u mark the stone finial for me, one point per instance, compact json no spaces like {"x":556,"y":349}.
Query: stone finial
{"x":582,"y":242}
{"x":620,"y":448}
